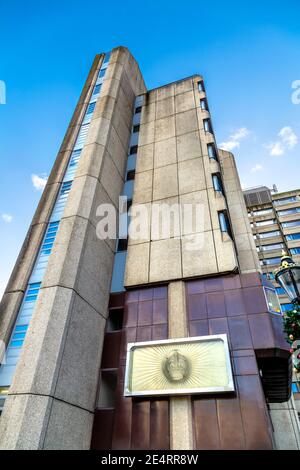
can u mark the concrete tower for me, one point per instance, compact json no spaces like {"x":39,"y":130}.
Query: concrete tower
{"x":76,"y":299}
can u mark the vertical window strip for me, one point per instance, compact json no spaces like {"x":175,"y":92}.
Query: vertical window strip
{"x":117,"y":284}
{"x":18,"y":334}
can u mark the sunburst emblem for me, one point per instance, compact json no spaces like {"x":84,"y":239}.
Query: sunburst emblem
{"x":176,"y":367}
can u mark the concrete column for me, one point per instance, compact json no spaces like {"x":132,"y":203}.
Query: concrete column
{"x":181,"y":425}
{"x":52,"y":398}
{"x":244,"y":241}
{"x":286,"y":425}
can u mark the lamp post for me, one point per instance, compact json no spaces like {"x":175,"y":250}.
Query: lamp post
{"x":288,"y":277}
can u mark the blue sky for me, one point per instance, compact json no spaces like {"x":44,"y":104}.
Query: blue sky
{"x":247,"y":51}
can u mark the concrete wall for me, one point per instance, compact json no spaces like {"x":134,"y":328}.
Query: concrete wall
{"x":173,"y":167}
{"x":52,"y":399}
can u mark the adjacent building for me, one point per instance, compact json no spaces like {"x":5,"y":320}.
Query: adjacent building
{"x":78,"y":299}
{"x":275,"y":221}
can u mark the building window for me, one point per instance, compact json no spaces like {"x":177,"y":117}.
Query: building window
{"x":102,"y":73}
{"x":265,"y":222}
{"x":130,"y":175}
{"x":97,"y":89}
{"x":292,"y":223}
{"x":262,"y":212}
{"x":207,"y":125}
{"x":32,"y":292}
{"x":293,"y":236}
{"x":285,"y":200}
{"x":122,"y":244}
{"x":280,"y":291}
{"x":138,"y":110}
{"x":268,"y":261}
{"x":286,"y":307}
{"x":106,"y":58}
{"x":203,"y":104}
{"x":224,"y":223}
{"x":91,"y":107}
{"x":274,"y":246}
{"x":133,"y":150}
{"x":217,"y":182}
{"x":136,"y":128}
{"x":269,"y":276}
{"x":294,"y":210}
{"x":275,"y":233}
{"x":211,"y":150}
{"x":201,"y":86}
{"x":295,"y":251}
{"x":115,"y":319}
{"x":49,"y":238}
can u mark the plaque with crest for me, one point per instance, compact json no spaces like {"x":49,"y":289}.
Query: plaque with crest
{"x":179,"y":366}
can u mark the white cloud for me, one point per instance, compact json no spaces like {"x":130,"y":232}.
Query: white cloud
{"x":39,"y":182}
{"x":240,"y":134}
{"x":276,"y":148}
{"x":288,"y":137}
{"x":7,"y":218}
{"x":288,"y":140}
{"x":256,"y":168}
{"x":234,"y":139}
{"x":229,"y":145}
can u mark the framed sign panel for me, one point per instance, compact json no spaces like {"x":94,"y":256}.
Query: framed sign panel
{"x":179,"y":367}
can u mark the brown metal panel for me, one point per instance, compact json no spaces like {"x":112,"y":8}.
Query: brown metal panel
{"x":160,"y":292}
{"x":196,"y":287}
{"x":145,"y":313}
{"x":159,"y":427}
{"x":243,"y":352}
{"x":231,"y":282}
{"x":261,"y":331}
{"x":213,"y":284}
{"x":145,"y":294}
{"x":245,"y":365}
{"x":116,"y":300}
{"x":234,"y":303}
{"x":255,"y":300}
{"x":250,"y":279}
{"x":196,"y":306}
{"x":159,"y":332}
{"x":254,"y":413}
{"x":160,"y":311}
{"x":121,"y":438}
{"x":199,"y":328}
{"x":240,"y":336}
{"x":230,"y":424}
{"x":128,"y":336}
{"x":277,"y":324}
{"x":140,"y":432}
{"x":130,"y":311}
{"x":215,"y":305}
{"x":131,"y":296}
{"x":144,"y":333}
{"x":218,"y":326}
{"x":111,"y":350}
{"x":206,"y":424}
{"x":102,"y":429}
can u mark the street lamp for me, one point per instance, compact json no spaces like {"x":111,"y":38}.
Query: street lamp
{"x":288,"y":277}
